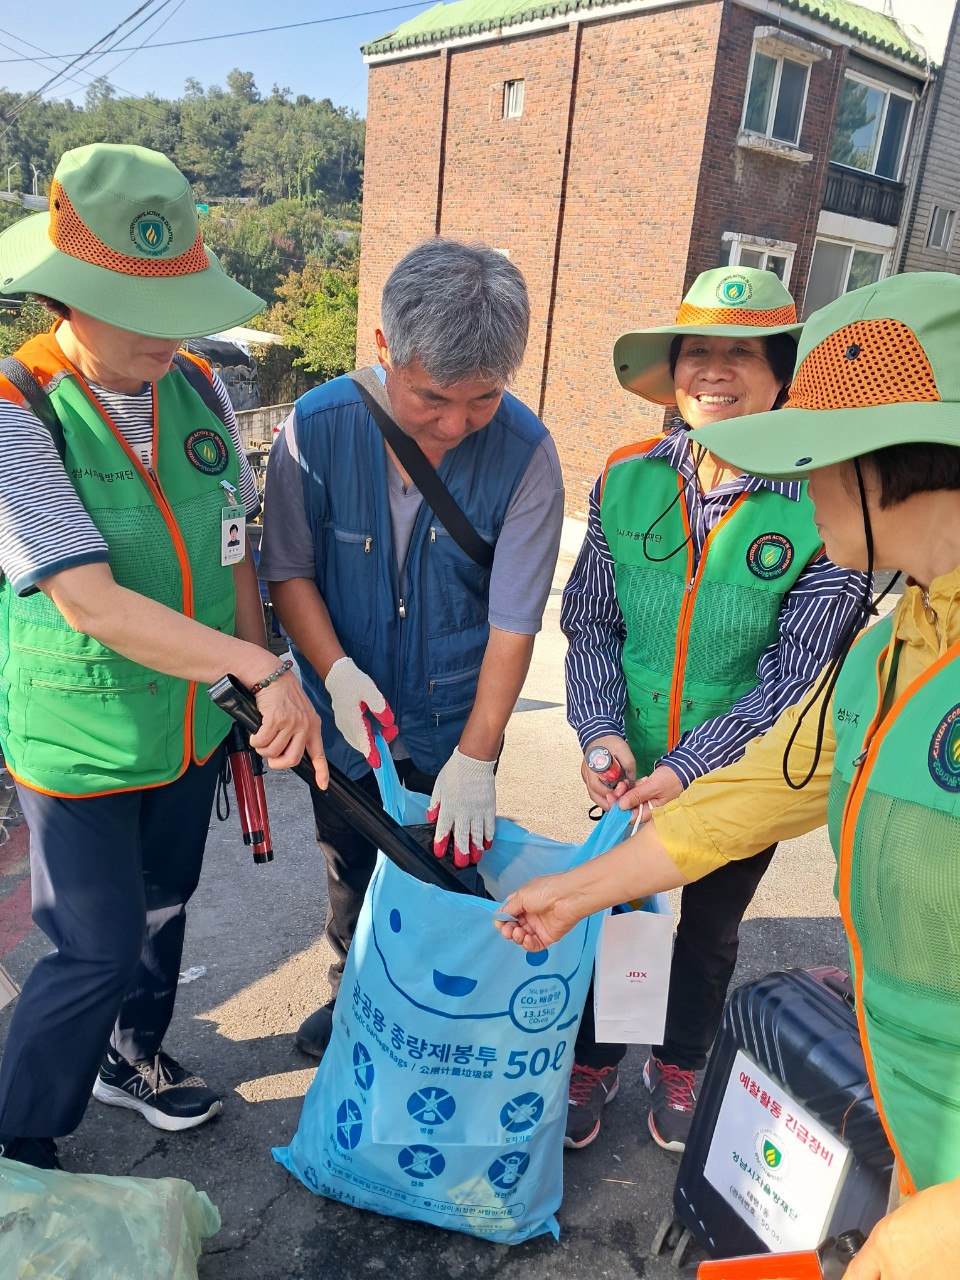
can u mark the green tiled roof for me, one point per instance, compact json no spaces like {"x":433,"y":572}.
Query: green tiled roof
{"x":474,"y":17}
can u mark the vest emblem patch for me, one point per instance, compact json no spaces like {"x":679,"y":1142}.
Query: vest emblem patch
{"x":769,"y":556}
{"x":943,"y":758}
{"x":206,"y":451}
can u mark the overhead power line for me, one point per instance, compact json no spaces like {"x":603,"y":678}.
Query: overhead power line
{"x":132,"y":97}
{"x":229,"y":35}
{"x":31,"y":97}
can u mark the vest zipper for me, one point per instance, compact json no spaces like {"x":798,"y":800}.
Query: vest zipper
{"x":403,"y":608}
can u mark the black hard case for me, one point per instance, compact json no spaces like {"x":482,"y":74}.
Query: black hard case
{"x":799,"y":1026}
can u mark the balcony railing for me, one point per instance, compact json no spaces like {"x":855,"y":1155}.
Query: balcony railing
{"x":863,"y":195}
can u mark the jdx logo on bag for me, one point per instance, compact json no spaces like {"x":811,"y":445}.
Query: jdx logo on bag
{"x":443,"y":1093}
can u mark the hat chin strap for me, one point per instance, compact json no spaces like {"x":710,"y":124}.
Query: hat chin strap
{"x":698,"y":453}
{"x":865,"y":609}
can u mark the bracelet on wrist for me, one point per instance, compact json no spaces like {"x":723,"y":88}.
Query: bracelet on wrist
{"x":282,"y":670}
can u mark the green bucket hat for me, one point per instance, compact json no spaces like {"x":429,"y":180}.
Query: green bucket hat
{"x":877,"y":367}
{"x":729,"y":302}
{"x":122,"y":243}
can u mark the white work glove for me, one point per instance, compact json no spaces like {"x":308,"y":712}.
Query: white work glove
{"x":464,"y":803}
{"x":354,"y":696}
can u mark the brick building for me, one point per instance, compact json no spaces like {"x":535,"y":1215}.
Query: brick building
{"x":616,"y":148}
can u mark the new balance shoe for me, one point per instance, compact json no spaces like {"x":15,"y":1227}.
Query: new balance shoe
{"x":590,"y":1091}
{"x":165,"y":1094}
{"x":673,"y":1104}
{"x":40,"y":1152}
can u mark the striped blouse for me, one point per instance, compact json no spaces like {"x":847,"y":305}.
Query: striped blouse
{"x":44,"y":527}
{"x":811,"y":617}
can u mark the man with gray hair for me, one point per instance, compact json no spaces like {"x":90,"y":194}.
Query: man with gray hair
{"x":395,"y":626}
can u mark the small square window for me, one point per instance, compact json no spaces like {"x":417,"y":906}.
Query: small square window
{"x":512,"y":99}
{"x":941,"y":227}
{"x":738,"y":248}
{"x":775,"y":98}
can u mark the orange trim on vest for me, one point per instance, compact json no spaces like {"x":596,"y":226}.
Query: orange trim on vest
{"x":876,"y":732}
{"x":690,"y":314}
{"x":71,"y":235}
{"x":639,"y":449}
{"x":202,"y":365}
{"x":44,"y":358}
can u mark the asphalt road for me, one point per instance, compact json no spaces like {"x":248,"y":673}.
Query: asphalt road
{"x":256,"y":933}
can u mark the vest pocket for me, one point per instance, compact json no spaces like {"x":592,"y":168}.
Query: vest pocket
{"x":347,"y":574}
{"x":99,"y":735}
{"x":458,"y":589}
{"x":452,"y":695}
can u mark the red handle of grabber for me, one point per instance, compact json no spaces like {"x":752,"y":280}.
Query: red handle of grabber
{"x":264,"y":846}
{"x":251,"y":801}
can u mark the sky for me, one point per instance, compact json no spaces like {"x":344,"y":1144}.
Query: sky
{"x":322,"y":60}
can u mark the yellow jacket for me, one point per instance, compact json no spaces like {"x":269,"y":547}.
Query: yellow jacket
{"x":737,"y":811}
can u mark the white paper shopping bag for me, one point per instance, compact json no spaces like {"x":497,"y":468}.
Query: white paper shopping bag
{"x":632,"y":977}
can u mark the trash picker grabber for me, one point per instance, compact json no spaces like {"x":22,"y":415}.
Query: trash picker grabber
{"x":251,"y":800}
{"x":354,"y":806}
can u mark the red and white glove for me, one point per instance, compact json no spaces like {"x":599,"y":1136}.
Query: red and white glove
{"x":354,"y":696}
{"x":464,"y":803}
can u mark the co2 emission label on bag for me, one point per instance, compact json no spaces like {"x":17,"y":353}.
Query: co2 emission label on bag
{"x":773,"y":1162}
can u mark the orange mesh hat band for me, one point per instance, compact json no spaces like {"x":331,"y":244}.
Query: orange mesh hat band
{"x":72,"y":236}
{"x":690,"y":314}
{"x":866,"y":363}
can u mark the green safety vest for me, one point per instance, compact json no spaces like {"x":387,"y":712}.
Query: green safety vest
{"x":77,"y":718}
{"x":694,"y":636}
{"x":894,"y":818}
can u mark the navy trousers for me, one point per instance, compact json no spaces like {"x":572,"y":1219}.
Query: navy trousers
{"x":704,"y":958}
{"x":111,"y":877}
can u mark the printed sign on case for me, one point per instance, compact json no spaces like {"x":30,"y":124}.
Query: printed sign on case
{"x":632,"y":975}
{"x":773,"y":1162}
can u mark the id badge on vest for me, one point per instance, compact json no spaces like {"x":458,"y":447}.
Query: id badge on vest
{"x":232,"y":534}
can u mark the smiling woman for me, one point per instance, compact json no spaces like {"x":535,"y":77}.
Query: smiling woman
{"x":700,"y":607}
{"x":880,"y":438}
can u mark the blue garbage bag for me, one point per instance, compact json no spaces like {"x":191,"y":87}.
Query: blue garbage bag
{"x":442,"y":1096}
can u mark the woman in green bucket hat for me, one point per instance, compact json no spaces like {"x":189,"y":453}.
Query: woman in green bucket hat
{"x":874,"y":419}
{"x":700,"y":607}
{"x":122,"y":599}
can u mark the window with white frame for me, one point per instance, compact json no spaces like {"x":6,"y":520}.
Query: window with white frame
{"x":776,"y":94}
{"x":766,"y":255}
{"x":871,"y":128}
{"x":942,"y":222}
{"x":837,"y":268}
{"x":512,"y":99}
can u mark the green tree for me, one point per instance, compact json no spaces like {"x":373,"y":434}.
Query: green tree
{"x":317,"y":315}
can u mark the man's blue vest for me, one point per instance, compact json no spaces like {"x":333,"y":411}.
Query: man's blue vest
{"x":426,"y":663}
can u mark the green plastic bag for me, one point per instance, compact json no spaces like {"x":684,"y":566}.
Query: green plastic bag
{"x":87,"y":1226}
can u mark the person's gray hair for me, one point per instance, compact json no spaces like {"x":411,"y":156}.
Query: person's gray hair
{"x":461,"y":310}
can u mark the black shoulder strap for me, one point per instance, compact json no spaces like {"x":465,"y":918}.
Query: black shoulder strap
{"x":38,"y":400}
{"x":435,"y":492}
{"x":200,"y":383}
